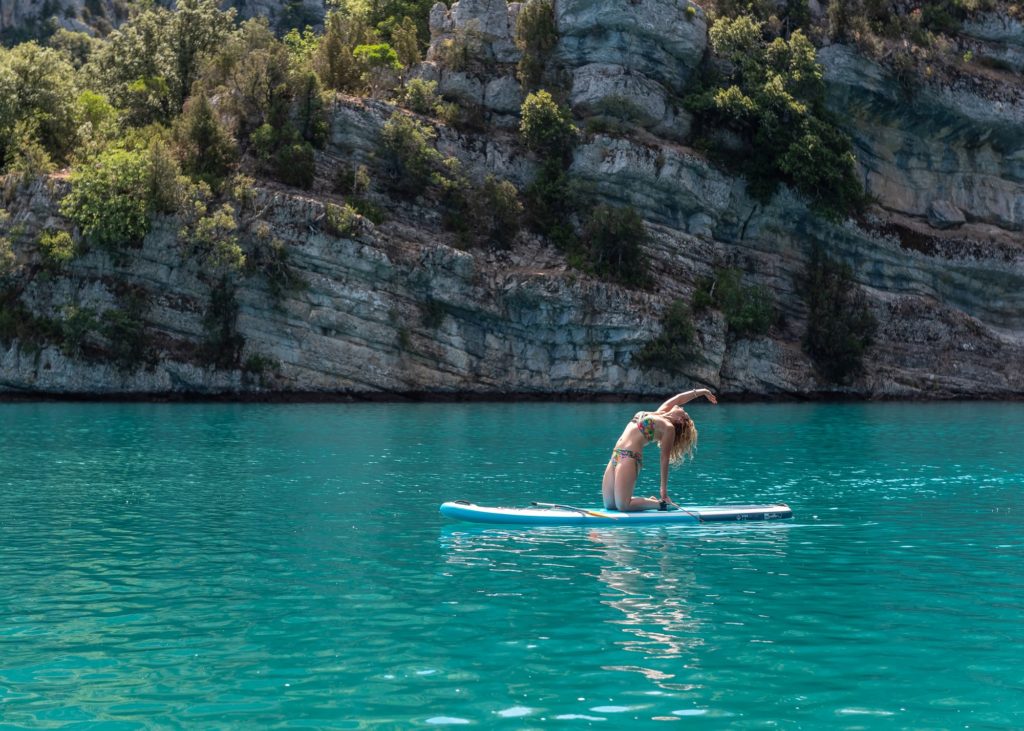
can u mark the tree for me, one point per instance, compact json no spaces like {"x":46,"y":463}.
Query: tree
{"x":379,"y":65}
{"x":536,"y":37}
{"x":773,"y":101}
{"x":149,"y":65}
{"x":406,"y":42}
{"x":38,"y":91}
{"x":110,"y":199}
{"x":546,"y":127}
{"x":206,"y":147}
{"x":333,"y":61}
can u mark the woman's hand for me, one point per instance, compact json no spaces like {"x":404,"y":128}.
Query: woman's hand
{"x":710,"y":396}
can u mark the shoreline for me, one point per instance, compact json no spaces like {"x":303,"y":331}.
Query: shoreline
{"x":410,"y":397}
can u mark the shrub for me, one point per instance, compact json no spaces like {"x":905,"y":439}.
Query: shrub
{"x":215,"y":238}
{"x":124,"y":329}
{"x":110,"y":199}
{"x":368,"y":209}
{"x":285,"y":155}
{"x":773,"y":101}
{"x":269,"y":257}
{"x":840,"y":327}
{"x":341,"y":221}
{"x":410,"y":160}
{"x":76,"y":325}
{"x":57,"y":247}
{"x":614,"y":239}
{"x":673,"y":348}
{"x":536,"y":36}
{"x":546,"y":128}
{"x":7,"y":258}
{"x":405,"y":40}
{"x":498,"y":212}
{"x":552,"y":199}
{"x":421,"y":96}
{"x":748,"y":310}
{"x":222,"y":346}
{"x":208,"y":151}
{"x":378,"y":65}
{"x":333,"y":61}
{"x":348,"y":180}
{"x":27,"y":158}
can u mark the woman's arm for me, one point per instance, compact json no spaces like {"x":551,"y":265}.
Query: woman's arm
{"x":685,"y":398}
{"x":667,"y":440}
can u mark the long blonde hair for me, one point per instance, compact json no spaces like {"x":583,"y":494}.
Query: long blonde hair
{"x":686,"y":437}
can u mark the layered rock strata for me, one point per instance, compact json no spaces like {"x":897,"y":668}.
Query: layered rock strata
{"x":397,"y":308}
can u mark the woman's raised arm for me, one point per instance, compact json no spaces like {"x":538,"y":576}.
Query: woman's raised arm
{"x":685,"y":398}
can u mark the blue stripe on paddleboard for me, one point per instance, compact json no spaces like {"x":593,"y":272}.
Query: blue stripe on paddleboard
{"x":599,"y":516}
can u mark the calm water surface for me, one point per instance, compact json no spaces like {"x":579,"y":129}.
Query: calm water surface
{"x":243,"y":566}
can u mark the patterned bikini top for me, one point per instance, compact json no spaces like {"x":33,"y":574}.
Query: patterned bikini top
{"x":646,"y":425}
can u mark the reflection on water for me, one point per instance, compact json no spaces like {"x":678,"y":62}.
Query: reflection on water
{"x":648,"y":576}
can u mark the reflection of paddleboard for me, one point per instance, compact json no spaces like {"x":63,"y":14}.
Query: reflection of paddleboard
{"x":569,"y":515}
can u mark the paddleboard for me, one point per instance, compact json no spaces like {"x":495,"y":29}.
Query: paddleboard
{"x":570,"y":515}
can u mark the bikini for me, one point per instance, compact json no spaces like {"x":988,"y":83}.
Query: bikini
{"x":646,"y":427}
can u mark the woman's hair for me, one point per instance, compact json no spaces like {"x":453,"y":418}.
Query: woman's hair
{"x":686,"y":436}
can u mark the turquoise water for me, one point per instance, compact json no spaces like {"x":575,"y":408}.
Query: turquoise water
{"x":255,"y":566}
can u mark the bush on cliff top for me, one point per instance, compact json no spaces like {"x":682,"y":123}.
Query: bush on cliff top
{"x":772,"y":101}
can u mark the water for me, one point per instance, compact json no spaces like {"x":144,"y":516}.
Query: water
{"x":244,"y":566}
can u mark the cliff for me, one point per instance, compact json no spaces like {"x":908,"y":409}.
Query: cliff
{"x":400,"y":308}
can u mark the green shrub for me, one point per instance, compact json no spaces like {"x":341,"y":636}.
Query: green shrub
{"x":498,"y":212}
{"x":269,"y":257}
{"x":341,"y":221}
{"x":614,"y":239}
{"x":378,"y":65}
{"x":285,"y":155}
{"x":748,"y":310}
{"x":110,"y":199}
{"x":214,"y":237}
{"x":536,"y":36}
{"x":7,"y":257}
{"x":464,"y":50}
{"x":410,"y":160}
{"x":421,"y":96}
{"x":673,"y":348}
{"x":222,"y":346}
{"x":773,"y":101}
{"x":77,"y":324}
{"x":208,"y":151}
{"x":368,"y":209}
{"x":546,"y":127}
{"x":840,"y":327}
{"x":124,"y":329}
{"x":552,"y":199}
{"x":57,"y":247}
{"x":355,"y":181}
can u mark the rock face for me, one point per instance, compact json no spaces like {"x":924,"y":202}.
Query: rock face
{"x":962,"y":145}
{"x":398,"y":308}
{"x":631,"y":58}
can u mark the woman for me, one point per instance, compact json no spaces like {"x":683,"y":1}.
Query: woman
{"x":672,"y":428}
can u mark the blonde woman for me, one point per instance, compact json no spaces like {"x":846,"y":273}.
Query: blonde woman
{"x":673,"y":429}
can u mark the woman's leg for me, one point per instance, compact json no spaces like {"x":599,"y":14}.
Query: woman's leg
{"x":625,"y":482}
{"x":608,"y":486}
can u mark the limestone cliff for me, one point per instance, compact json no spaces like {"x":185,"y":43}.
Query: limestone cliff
{"x":398,"y":308}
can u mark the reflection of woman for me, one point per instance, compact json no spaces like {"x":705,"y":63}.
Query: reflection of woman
{"x":673,"y":429}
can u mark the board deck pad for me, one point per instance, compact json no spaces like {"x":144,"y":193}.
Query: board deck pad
{"x":565,"y":515}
